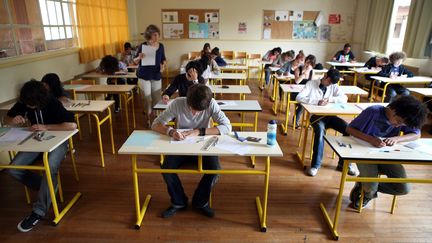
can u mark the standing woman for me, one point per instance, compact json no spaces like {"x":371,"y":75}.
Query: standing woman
{"x":150,"y":75}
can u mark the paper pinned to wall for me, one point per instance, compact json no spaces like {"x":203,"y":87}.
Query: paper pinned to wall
{"x":193,"y":18}
{"x":170,"y":17}
{"x":211,"y":17}
{"x":320,"y":19}
{"x":296,"y":15}
{"x":149,"y":58}
{"x":324,"y":32}
{"x":172,"y":31}
{"x":242,"y":28}
{"x":281,"y":15}
{"x":305,"y":30}
{"x":214,"y":30}
{"x":198,"y":30}
{"x":267,"y":34}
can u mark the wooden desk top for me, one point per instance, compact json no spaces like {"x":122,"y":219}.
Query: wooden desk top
{"x":229,"y":105}
{"x":363,"y":106}
{"x":232,"y":89}
{"x":150,"y":142}
{"x":346,"y":64}
{"x":365,"y":70}
{"x":284,"y":77}
{"x":361,"y":150}
{"x":75,"y":86}
{"x":352,"y":90}
{"x":101,"y":75}
{"x":418,"y":79}
{"x":32,"y":145}
{"x":234,"y":68}
{"x":423,"y":91}
{"x":103,"y":88}
{"x":77,"y":106}
{"x":333,"y":109}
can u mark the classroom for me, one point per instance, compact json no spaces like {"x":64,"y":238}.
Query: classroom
{"x":215,"y":121}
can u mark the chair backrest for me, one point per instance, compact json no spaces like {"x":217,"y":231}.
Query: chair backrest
{"x":227,"y":55}
{"x":83,"y":81}
{"x":252,"y":60}
{"x":240,"y":55}
{"x":254,"y":56}
{"x":194,"y":55}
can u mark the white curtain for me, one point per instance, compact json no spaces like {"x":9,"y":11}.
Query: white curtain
{"x":378,"y":25}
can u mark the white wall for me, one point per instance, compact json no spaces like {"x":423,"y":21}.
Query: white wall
{"x":251,"y":11}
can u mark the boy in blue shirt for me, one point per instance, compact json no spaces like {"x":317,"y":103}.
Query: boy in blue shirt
{"x":381,"y":126}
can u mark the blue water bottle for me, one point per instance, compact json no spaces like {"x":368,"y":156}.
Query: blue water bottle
{"x":271,"y":132}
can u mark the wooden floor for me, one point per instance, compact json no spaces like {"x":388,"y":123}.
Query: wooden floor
{"x":106,"y":211}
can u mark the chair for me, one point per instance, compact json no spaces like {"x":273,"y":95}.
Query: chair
{"x":251,"y":62}
{"x":393,"y":206}
{"x":241,"y":55}
{"x":194,"y":55}
{"x":227,"y":55}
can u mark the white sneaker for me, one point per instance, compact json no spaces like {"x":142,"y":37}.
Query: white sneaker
{"x":311,"y":171}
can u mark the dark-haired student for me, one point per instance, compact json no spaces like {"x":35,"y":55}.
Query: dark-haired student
{"x":345,"y":55}
{"x":206,"y":48}
{"x":273,"y":56}
{"x":215,"y":55}
{"x":208,"y":66}
{"x":380,"y":126}
{"x":111,"y":65}
{"x":182,"y":82}
{"x":127,"y":58}
{"x":53,"y":84}
{"x":322,"y":92}
{"x":192,"y":112}
{"x":393,"y":70}
{"x":375,"y":63}
{"x":44,"y":112}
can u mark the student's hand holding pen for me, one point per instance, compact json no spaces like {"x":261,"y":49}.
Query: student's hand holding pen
{"x":323,"y":102}
{"x":39,"y":127}
{"x":18,"y":120}
{"x":390,"y":141}
{"x":377,"y":142}
{"x":177,"y":135}
{"x":194,"y":132}
{"x":165,"y":99}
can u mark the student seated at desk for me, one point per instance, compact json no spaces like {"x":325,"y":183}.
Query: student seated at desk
{"x":110,"y":65}
{"x":44,"y":112}
{"x":393,"y":70}
{"x":53,"y":84}
{"x":191,"y":112}
{"x":206,"y":48}
{"x":345,"y":55}
{"x":380,"y":126}
{"x":287,"y":60}
{"x":321,"y":92}
{"x":127,"y":58}
{"x":375,"y":63}
{"x":215,"y":55}
{"x":273,"y":56}
{"x":208,"y":66}
{"x":182,"y":82}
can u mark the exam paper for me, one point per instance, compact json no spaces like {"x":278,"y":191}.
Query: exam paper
{"x":15,"y":135}
{"x":232,"y":145}
{"x":149,"y":58}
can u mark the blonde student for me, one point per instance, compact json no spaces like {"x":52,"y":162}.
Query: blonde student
{"x":150,"y":75}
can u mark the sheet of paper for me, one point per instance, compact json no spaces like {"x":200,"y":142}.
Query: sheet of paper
{"x":170,"y":17}
{"x":14,"y":135}
{"x":424,"y":148}
{"x":227,"y":103}
{"x":267,"y":34}
{"x":172,"y":31}
{"x":281,"y":15}
{"x":149,"y":55}
{"x":232,"y":145}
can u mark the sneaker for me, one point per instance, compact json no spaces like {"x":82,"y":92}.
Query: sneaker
{"x":207,"y":211}
{"x":352,"y":170}
{"x":29,"y":222}
{"x":355,"y":192}
{"x":117,"y":110}
{"x":356,"y":203}
{"x":171,"y":211}
{"x":311,"y":171}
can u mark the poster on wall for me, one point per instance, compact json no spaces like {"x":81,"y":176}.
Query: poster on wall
{"x":214,"y":30}
{"x":334,"y":19}
{"x":296,"y":15}
{"x":170,"y":17}
{"x":281,"y":15}
{"x":242,"y":28}
{"x":305,"y":30}
{"x":324,"y":33}
{"x":267,"y":34}
{"x":211,"y":17}
{"x":193,"y":18}
{"x":172,"y":31}
{"x":198,"y":30}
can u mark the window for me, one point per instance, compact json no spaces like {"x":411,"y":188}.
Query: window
{"x":31,"y":26}
{"x":398,"y":25}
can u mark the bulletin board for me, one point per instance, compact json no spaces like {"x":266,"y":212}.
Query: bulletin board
{"x":289,"y":24}
{"x":190,"y":23}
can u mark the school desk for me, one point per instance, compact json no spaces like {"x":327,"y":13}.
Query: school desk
{"x":45,"y":147}
{"x":277,"y":79}
{"x":362,"y":71}
{"x":228,"y":76}
{"x":346,"y":64}
{"x":397,"y":80}
{"x":234,"y":61}
{"x":363,"y":106}
{"x":231,"y":89}
{"x":152,"y":143}
{"x":94,"y":74}
{"x":350,"y":150}
{"x":288,"y":89}
{"x":427,"y":92}
{"x":125,"y":90}
{"x":233,"y":106}
{"x":93,"y":108}
{"x":331,"y":109}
